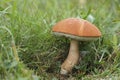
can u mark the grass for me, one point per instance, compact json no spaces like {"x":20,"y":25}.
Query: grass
{"x":25,"y":30}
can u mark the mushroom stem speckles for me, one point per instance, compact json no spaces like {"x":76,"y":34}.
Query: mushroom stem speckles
{"x":72,"y":59}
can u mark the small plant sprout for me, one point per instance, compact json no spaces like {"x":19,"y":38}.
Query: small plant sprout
{"x":82,"y":3}
{"x":77,"y":30}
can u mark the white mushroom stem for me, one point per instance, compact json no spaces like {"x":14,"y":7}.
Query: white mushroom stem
{"x":72,"y":58}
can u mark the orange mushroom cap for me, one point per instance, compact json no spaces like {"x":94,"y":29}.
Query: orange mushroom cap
{"x":77,"y":27}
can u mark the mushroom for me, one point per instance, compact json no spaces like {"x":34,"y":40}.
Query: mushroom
{"x":77,"y":30}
